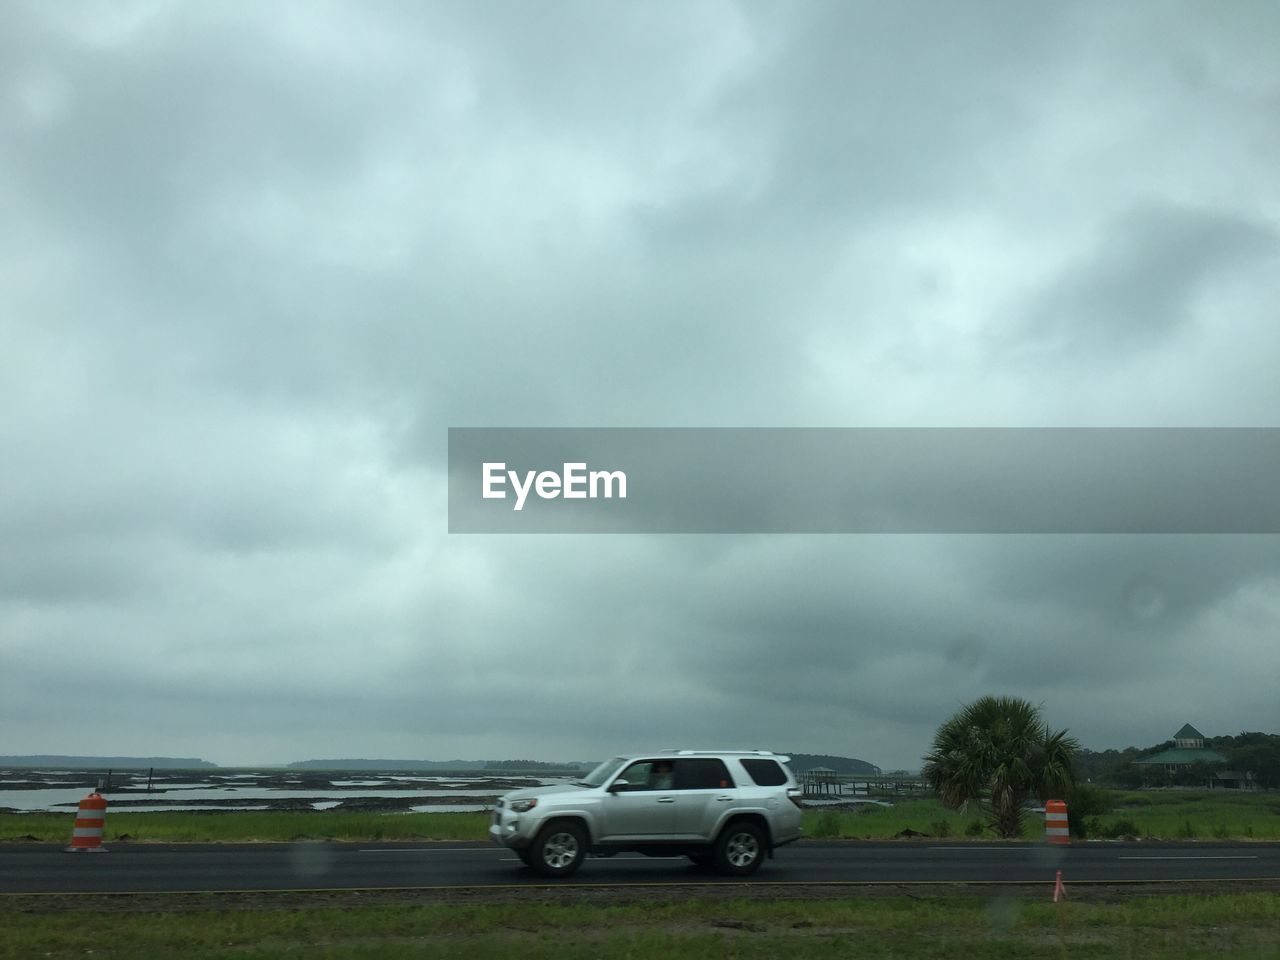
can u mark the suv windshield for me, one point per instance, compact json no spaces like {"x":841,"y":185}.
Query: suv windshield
{"x":603,"y":772}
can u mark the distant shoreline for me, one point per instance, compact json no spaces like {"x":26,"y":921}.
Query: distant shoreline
{"x":800,"y":763}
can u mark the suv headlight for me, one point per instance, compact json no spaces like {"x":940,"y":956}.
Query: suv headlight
{"x":523,"y":806}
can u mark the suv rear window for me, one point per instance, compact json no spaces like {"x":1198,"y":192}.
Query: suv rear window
{"x":766,"y":773}
{"x":702,"y":774}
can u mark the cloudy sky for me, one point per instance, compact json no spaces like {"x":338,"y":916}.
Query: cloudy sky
{"x":257,"y":258}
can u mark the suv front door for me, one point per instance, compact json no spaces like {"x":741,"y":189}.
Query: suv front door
{"x":639,"y":805}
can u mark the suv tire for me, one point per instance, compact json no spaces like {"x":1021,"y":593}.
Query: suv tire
{"x":740,"y":849}
{"x":559,"y":849}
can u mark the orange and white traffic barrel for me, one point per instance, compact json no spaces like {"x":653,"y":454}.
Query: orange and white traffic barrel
{"x":1055,"y":822}
{"x":90,"y":821}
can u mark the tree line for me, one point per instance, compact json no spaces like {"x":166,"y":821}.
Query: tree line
{"x":1258,"y":753}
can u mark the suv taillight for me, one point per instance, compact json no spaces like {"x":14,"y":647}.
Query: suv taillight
{"x":794,"y":796}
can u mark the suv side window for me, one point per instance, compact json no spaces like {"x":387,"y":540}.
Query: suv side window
{"x":702,"y":774}
{"x":766,"y":773}
{"x":647,"y":775}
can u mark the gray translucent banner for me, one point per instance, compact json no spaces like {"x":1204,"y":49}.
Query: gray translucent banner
{"x":749,"y":480}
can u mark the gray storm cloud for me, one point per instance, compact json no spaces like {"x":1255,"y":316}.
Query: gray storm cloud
{"x":257,"y":260}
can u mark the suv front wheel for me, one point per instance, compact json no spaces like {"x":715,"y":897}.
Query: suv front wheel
{"x":740,"y":848}
{"x":559,"y":849}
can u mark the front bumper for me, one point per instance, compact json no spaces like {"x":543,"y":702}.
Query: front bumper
{"x":510,"y":829}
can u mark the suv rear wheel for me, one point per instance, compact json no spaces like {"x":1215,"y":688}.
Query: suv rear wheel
{"x":559,"y":849}
{"x":740,"y":848}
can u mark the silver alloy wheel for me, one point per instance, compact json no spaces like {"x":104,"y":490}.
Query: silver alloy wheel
{"x":742,"y":849}
{"x":560,"y":850}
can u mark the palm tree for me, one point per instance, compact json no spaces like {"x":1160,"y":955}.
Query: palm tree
{"x":999,"y":750}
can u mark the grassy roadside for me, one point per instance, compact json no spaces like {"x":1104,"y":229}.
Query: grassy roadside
{"x":1236,"y":925}
{"x":1168,"y":815}
{"x":240,"y":826}
{"x":1164,"y":815}
{"x":1199,"y":814}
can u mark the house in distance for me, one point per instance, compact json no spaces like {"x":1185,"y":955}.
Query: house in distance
{"x":1188,"y":750}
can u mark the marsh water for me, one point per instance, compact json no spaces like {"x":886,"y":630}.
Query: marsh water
{"x":24,"y":790}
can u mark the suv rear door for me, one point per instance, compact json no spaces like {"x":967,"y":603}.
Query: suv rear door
{"x":704,"y":790}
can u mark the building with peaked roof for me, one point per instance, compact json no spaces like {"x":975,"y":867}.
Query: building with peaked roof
{"x":1188,"y":748}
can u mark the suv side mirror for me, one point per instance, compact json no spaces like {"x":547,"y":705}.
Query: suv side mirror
{"x":619,"y":785}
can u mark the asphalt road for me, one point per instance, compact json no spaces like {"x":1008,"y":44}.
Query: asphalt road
{"x":137,"y":868}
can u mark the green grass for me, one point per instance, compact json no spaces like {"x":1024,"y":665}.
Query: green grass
{"x":1237,"y":925}
{"x":1169,"y":815}
{"x":179,"y":827}
{"x":1199,"y":814}
{"x":872,"y":822}
{"x":1165,"y":815}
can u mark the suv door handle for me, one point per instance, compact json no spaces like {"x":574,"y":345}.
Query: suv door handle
{"x":723,"y":799}
{"x":666,"y":799}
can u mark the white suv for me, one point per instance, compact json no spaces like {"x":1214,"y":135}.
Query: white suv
{"x":724,"y":808}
